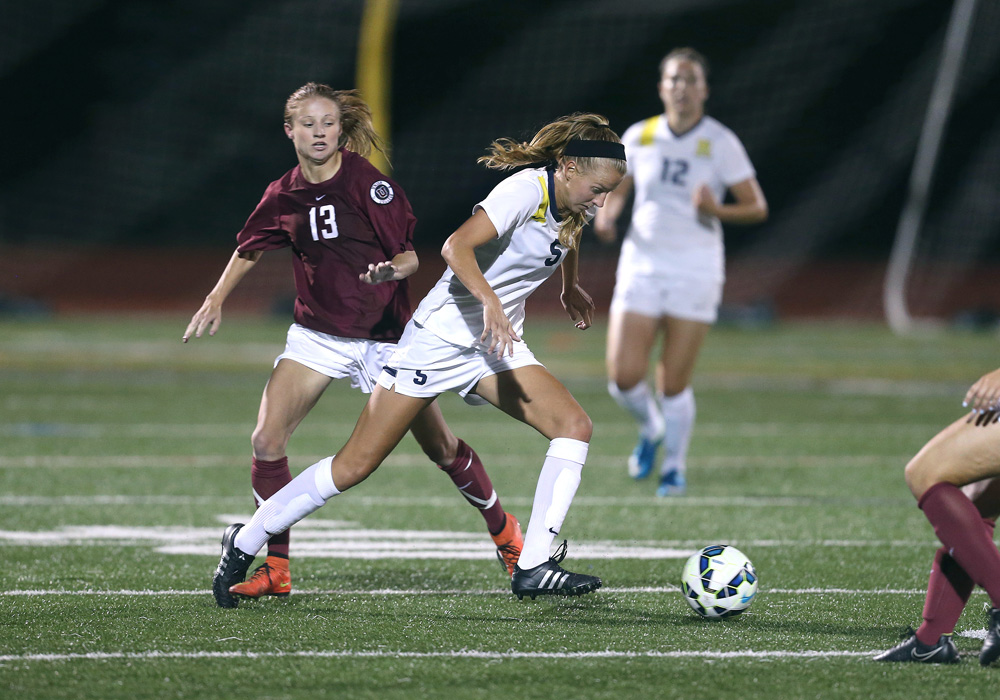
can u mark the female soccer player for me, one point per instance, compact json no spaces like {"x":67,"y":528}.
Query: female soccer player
{"x":671,"y":268}
{"x":954,"y":479}
{"x":351,"y":232}
{"x":466,"y":337}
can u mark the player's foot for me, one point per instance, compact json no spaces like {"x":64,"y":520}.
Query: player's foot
{"x":509,"y":542}
{"x":270,"y":578}
{"x":640,"y":462}
{"x":232,"y":568}
{"x":991,"y":645}
{"x":912,"y":649}
{"x":672,"y":483}
{"x":549,"y":578}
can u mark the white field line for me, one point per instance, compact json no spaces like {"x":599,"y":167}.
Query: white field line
{"x":403,"y":460}
{"x":457,"y":654}
{"x":459,"y":503}
{"x":387,"y":592}
{"x":325,"y":427}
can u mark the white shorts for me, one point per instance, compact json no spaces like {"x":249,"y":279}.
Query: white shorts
{"x":425,"y":365}
{"x":358,"y":359}
{"x":668,"y":295}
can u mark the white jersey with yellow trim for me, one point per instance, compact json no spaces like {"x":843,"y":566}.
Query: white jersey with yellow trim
{"x":525,"y":253}
{"x":667,"y":233}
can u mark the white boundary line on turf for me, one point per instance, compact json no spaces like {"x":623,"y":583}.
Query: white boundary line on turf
{"x":459,"y":654}
{"x":402,"y":460}
{"x":454,"y":591}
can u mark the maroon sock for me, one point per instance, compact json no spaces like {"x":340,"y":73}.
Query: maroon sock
{"x":959,"y":526}
{"x":267,"y":478}
{"x":948,"y":591}
{"x":469,"y":475}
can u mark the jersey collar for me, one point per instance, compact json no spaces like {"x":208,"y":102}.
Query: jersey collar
{"x":552,"y":194}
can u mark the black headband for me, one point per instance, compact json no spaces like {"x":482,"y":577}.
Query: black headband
{"x":595,"y":149}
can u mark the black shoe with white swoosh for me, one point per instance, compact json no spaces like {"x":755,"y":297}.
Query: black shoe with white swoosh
{"x":912,"y":649}
{"x":549,"y":578}
{"x":990,"y":650}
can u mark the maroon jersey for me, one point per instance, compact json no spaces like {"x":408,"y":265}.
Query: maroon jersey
{"x":336,"y":228}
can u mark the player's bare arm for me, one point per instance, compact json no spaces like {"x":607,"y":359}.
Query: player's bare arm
{"x":400,"y":267}
{"x":459,"y":251}
{"x":578,"y":304}
{"x":750,"y":206}
{"x":210,"y":314}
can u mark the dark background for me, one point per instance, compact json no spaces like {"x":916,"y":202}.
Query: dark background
{"x":142,"y":126}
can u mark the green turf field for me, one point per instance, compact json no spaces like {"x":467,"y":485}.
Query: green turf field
{"x":123,"y":455}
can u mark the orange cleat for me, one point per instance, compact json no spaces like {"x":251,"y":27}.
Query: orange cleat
{"x":270,"y":578}
{"x":509,"y":543}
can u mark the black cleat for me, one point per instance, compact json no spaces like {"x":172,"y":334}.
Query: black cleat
{"x":551,"y":579}
{"x":991,"y":645}
{"x":912,"y":649}
{"x":232,"y":568}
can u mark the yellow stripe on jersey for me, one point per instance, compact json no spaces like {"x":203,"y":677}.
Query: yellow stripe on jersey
{"x":544,"y":206}
{"x":648,"y":131}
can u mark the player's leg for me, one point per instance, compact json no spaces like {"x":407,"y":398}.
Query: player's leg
{"x":948,"y":590}
{"x":631,"y":337}
{"x":460,"y":462}
{"x":291,"y":392}
{"x":532,"y":395}
{"x":682,"y":342}
{"x":965,"y":452}
{"x":383,"y":422}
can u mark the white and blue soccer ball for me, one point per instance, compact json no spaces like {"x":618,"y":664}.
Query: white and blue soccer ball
{"x":719,"y":581}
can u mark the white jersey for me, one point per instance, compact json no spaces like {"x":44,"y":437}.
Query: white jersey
{"x":667,"y":233}
{"x":525,"y":253}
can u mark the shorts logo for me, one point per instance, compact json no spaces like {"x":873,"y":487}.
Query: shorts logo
{"x":382,"y":193}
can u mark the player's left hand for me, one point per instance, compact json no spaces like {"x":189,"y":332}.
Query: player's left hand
{"x":984,"y":395}
{"x":378,"y":273}
{"x":579,"y":306}
{"x":704,"y":201}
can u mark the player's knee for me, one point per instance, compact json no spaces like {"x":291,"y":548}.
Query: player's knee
{"x":672,"y":386}
{"x":920,"y":476}
{"x":624,"y":381}
{"x":576,"y":425}
{"x":350,"y":472}
{"x":267,"y":444}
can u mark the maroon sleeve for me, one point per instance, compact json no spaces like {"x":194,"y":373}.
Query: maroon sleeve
{"x":263,"y":231}
{"x":393,"y":221}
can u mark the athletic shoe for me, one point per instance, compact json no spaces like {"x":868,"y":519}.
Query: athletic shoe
{"x":270,"y":578}
{"x":640,"y":462}
{"x":991,"y":645}
{"x":232,"y":568}
{"x":912,"y":649}
{"x":672,"y":483}
{"x":549,"y":578}
{"x":509,"y":543}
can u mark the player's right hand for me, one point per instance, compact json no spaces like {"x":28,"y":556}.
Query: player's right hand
{"x":497,"y":327}
{"x":208,"y":316}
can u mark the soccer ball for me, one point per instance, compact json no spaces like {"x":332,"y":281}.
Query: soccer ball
{"x":719,"y":581}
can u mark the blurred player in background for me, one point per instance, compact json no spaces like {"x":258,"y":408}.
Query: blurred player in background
{"x":351,"y":231}
{"x":465,"y":337}
{"x":954,"y":479}
{"x":671,"y":269}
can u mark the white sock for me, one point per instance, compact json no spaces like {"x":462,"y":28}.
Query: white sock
{"x":556,"y":487}
{"x":298,"y":498}
{"x":639,"y":402}
{"x":678,"y":413}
